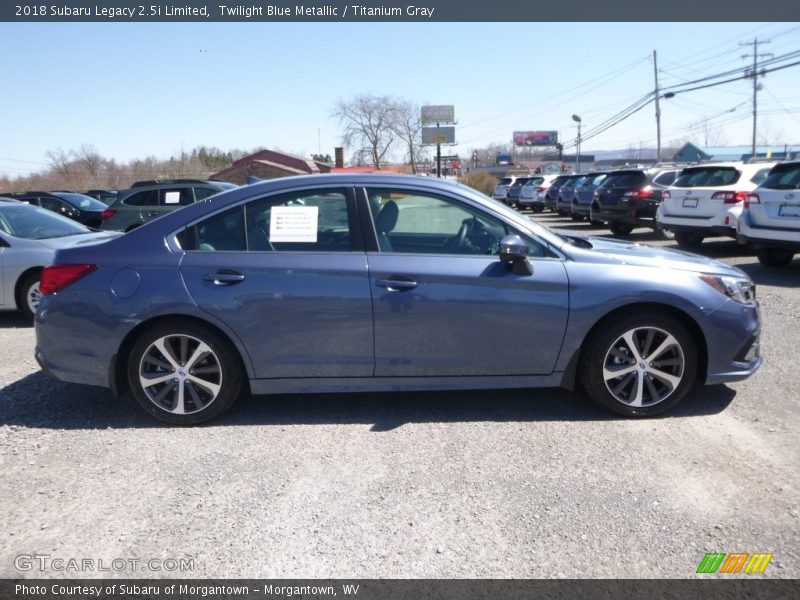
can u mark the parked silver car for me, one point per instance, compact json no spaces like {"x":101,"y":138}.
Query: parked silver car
{"x":29,"y":238}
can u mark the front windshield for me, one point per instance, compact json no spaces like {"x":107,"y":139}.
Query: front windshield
{"x":524,"y":221}
{"x":34,"y":223}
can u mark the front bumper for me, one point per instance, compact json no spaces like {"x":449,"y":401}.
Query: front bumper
{"x":733,"y":342}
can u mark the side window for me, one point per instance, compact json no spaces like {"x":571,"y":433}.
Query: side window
{"x":310,"y":221}
{"x":203,"y":193}
{"x":665,"y":179}
{"x":51,"y":204}
{"x":176,"y":197}
{"x":419,"y":223}
{"x":223,"y":231}
{"x":304,"y":221}
{"x":143,"y":198}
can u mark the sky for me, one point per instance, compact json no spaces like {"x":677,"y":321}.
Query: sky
{"x":133,"y":90}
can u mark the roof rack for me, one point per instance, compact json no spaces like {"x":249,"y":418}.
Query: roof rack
{"x":165,"y":181}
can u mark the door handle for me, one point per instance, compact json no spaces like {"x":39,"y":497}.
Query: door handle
{"x":224,"y":277}
{"x":397,"y":284}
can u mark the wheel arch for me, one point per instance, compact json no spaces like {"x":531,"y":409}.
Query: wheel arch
{"x":20,"y":280}
{"x":118,"y":380}
{"x":570,"y":374}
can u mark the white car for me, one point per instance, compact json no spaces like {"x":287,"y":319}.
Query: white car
{"x":29,"y":239}
{"x":707,"y":199}
{"x":532,"y":193}
{"x":501,"y":189}
{"x":770,"y":221}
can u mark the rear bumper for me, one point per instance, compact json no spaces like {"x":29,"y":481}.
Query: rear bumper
{"x":766,"y":236}
{"x":723,"y":223}
{"x":629,"y":215}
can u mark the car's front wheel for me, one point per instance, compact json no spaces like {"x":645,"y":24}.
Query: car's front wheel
{"x":774,"y":257}
{"x":640,"y":364}
{"x":184,"y":373}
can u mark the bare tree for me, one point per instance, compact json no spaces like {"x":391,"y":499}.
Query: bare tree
{"x":408,"y":127}
{"x":369,"y":122}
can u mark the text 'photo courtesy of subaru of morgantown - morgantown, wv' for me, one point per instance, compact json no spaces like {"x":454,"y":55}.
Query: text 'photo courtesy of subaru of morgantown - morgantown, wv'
{"x":385,"y":282}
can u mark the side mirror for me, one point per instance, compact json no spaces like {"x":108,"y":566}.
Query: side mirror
{"x":514,"y":250}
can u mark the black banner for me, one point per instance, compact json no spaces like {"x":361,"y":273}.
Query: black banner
{"x":396,"y":589}
{"x":392,"y":11}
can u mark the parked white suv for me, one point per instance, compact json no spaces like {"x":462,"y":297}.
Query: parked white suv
{"x":706,"y":200}
{"x":770,"y":221}
{"x":501,"y":189}
{"x":532,"y":193}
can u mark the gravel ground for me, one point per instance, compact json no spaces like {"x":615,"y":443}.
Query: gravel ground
{"x":516,"y":484}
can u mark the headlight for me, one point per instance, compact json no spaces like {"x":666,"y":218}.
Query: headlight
{"x":737,"y":288}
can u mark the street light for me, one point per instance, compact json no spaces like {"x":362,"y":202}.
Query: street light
{"x":577,"y":119}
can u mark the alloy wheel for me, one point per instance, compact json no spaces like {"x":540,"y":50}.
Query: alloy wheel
{"x":643,"y":367}
{"x":180,"y":374}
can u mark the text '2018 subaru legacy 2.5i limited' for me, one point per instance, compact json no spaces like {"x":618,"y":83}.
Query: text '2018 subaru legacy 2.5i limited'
{"x":365,"y":283}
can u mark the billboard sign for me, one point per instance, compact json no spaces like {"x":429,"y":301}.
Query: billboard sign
{"x":431,"y":115}
{"x":438,"y":135}
{"x":535,"y":138}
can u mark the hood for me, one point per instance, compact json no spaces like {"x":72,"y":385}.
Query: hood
{"x":73,"y":241}
{"x":632,"y":253}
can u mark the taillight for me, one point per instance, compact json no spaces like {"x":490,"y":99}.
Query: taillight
{"x":541,"y":189}
{"x":644,"y":192}
{"x":57,"y":277}
{"x":730,"y":197}
{"x":751,"y":199}
{"x":108,"y":213}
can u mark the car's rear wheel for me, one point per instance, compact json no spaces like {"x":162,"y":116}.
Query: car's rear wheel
{"x":774,"y":257}
{"x":537,"y":208}
{"x":620,"y":229}
{"x":640,"y":364}
{"x":687,"y":239}
{"x":29,"y":295}
{"x":576,"y":217}
{"x":184,"y":374}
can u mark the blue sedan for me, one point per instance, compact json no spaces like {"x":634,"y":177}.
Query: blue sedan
{"x":369,"y":282}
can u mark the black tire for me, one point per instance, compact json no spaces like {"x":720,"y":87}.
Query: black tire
{"x":219,"y":365}
{"x":29,"y":295}
{"x":537,"y":208}
{"x":620,"y":229}
{"x":665,"y":234}
{"x":774,"y":257}
{"x":606,"y":348}
{"x":687,"y":239}
{"x":576,"y":217}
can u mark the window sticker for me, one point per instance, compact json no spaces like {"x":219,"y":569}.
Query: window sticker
{"x":293,"y":224}
{"x":172,"y":197}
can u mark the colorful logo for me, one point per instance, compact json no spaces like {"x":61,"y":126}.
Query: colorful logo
{"x":736,"y":562}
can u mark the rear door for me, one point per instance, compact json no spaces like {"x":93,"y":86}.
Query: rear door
{"x":444,"y":304}
{"x":288,"y":273}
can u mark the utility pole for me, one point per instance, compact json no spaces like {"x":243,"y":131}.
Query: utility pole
{"x":754,"y":75}
{"x":658,"y":109}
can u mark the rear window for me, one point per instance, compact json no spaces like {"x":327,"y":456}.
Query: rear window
{"x":504,"y":181}
{"x":707,"y":177}
{"x":81,"y":201}
{"x":783,"y":177}
{"x":535,"y":181}
{"x":760,"y":176}
{"x":625,"y":180}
